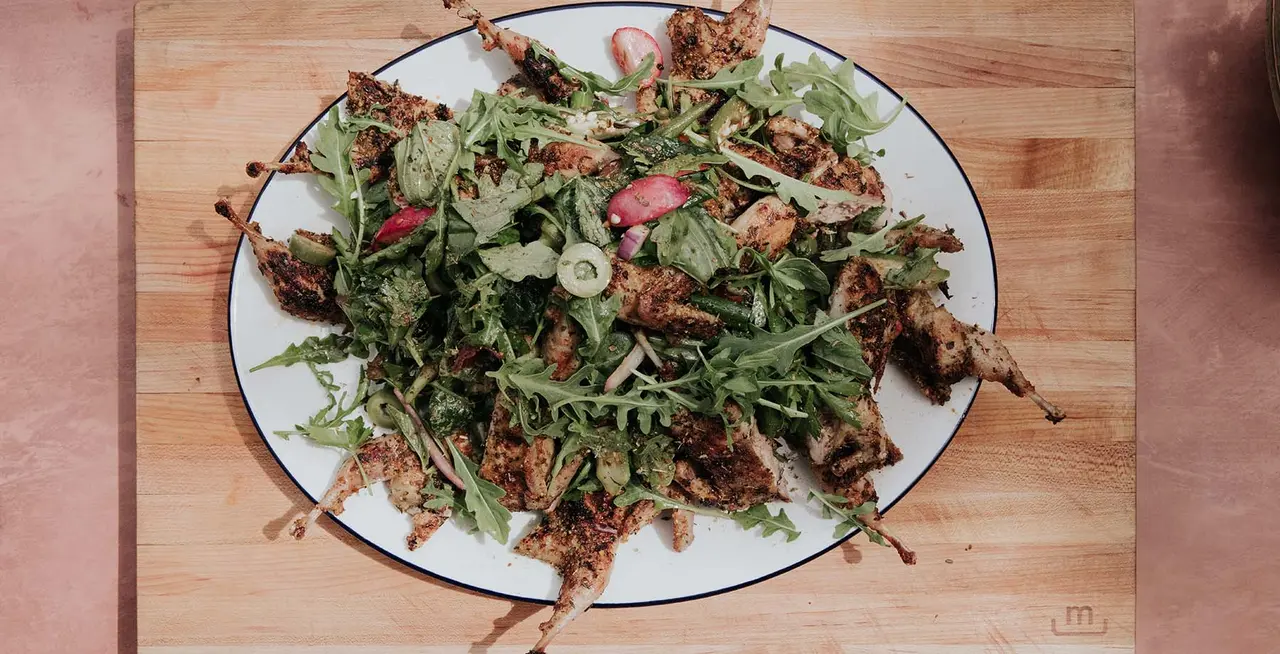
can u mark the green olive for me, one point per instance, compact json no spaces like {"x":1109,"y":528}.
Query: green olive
{"x":377,"y":404}
{"x":584,"y":270}
{"x":310,"y":251}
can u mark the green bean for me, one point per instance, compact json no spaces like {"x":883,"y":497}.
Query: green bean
{"x":727,"y":310}
{"x":676,"y":126}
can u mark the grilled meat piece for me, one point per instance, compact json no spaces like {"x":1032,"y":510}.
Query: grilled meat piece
{"x":712,"y":473}
{"x":369,"y":97}
{"x":937,"y":351}
{"x":730,"y":200}
{"x":701,"y":45}
{"x":842,"y":456}
{"x":859,"y":284}
{"x":539,"y":71}
{"x":521,"y":468}
{"x":655,"y":297}
{"x":560,"y":345}
{"x":298,"y":162}
{"x":920,"y":235}
{"x":572,"y":158}
{"x":681,"y":529}
{"x":802,"y":152}
{"x":304,"y":290}
{"x":580,"y":540}
{"x":766,"y":226}
{"x":385,"y":458}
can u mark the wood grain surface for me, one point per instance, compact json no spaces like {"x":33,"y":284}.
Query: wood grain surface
{"x":1019,"y":521}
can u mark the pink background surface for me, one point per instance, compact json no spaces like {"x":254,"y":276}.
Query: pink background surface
{"x":1208,"y":307}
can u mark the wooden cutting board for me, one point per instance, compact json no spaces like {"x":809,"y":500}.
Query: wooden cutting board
{"x":1025,"y":530}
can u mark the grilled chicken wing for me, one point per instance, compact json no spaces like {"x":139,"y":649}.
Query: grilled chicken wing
{"x":655,"y":297}
{"x":385,"y":458}
{"x":730,"y":199}
{"x":701,"y":45}
{"x":859,"y":284}
{"x":766,"y":226}
{"x":298,"y":162}
{"x":521,"y":468}
{"x":580,"y":540}
{"x":304,"y":290}
{"x":712,"y":473}
{"x":937,"y":351}
{"x":540,"y":72}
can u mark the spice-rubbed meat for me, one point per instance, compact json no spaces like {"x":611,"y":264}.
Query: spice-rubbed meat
{"x":385,"y":458}
{"x":713,"y":473}
{"x":521,"y":468}
{"x":370,"y":97}
{"x":540,"y":72}
{"x":802,"y":153}
{"x":702,"y":45}
{"x":572,"y":158}
{"x":655,"y":297}
{"x":304,"y":290}
{"x":859,"y":284}
{"x":730,"y":199}
{"x":580,"y":540}
{"x":560,"y":345}
{"x":937,"y":351}
{"x":766,"y":226}
{"x":920,"y":235}
{"x":842,"y":456}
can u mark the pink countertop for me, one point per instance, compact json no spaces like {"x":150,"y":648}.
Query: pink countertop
{"x":1208,"y":353}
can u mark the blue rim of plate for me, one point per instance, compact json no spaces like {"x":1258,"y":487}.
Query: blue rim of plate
{"x":995,"y":284}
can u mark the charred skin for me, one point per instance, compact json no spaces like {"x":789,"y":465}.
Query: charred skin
{"x":370,"y":97}
{"x":304,"y":290}
{"x":386,"y":458}
{"x":298,"y":162}
{"x":936,"y":350}
{"x":523,"y":468}
{"x":713,"y":473}
{"x":656,"y":297}
{"x":545,"y":78}
{"x":730,"y":200}
{"x":572,"y":158}
{"x":923,"y":236}
{"x":580,"y":540}
{"x":860,"y":284}
{"x":766,"y":226}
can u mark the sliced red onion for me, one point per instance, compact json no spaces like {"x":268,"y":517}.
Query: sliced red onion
{"x":433,"y":451}
{"x":624,"y":370}
{"x":632,"y":241}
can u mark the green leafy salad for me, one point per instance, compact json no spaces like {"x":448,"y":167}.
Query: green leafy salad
{"x":478,"y":272}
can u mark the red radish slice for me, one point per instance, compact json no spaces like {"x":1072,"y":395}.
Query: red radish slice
{"x":645,"y":199}
{"x":402,"y":224}
{"x":630,"y":45}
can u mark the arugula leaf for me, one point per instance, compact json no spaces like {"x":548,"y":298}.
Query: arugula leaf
{"x":759,"y":515}
{"x":313,"y":349}
{"x":441,"y":496}
{"x":692,"y":241}
{"x":779,"y":350}
{"x":876,"y":242}
{"x":652,"y":149}
{"x":595,"y":315}
{"x":636,"y":493}
{"x":839,"y":349}
{"x":730,"y":77}
{"x":773,"y":98}
{"x":516,"y":261}
{"x":404,"y":298}
{"x":836,"y":506}
{"x":332,"y":154}
{"x":799,"y":274}
{"x":481,"y":497}
{"x":920,"y":266}
{"x":790,"y":189}
{"x":495,"y":208}
{"x":426,"y":161}
{"x":594,"y":82}
{"x":846,"y":114}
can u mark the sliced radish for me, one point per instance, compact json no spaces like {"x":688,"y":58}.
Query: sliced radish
{"x":646,"y":199}
{"x":630,"y":45}
{"x":402,"y":224}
